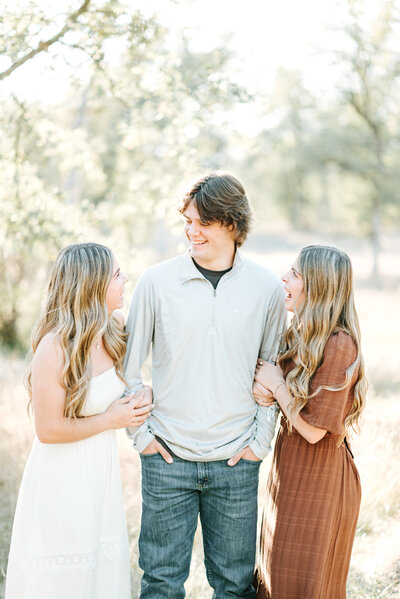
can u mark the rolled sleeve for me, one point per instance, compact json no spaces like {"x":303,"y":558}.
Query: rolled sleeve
{"x":140,"y":329}
{"x":266,"y":417}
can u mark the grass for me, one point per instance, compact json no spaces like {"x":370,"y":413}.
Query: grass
{"x":375,"y":567}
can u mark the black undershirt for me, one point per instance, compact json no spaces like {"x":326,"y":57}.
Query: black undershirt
{"x":214,"y":276}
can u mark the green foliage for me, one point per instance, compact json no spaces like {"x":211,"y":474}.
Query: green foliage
{"x":106,"y":162}
{"x":334,"y":163}
{"x":141,"y":116}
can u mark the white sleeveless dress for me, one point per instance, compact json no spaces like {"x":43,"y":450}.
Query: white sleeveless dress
{"x":69,"y":538}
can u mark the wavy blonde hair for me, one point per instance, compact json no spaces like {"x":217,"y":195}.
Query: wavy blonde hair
{"x":328,"y":308}
{"x":76,"y":312}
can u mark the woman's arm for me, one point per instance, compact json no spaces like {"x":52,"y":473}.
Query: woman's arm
{"x":48,"y":398}
{"x":270,"y":377}
{"x":312,"y":434}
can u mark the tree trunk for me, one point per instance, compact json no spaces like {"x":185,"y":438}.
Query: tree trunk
{"x":73,"y":182}
{"x":375,"y":240}
{"x":376,"y":206}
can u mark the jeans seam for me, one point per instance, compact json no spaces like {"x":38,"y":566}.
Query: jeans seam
{"x":208,"y":571}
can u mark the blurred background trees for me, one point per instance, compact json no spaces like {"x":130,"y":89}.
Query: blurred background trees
{"x":139,"y":115}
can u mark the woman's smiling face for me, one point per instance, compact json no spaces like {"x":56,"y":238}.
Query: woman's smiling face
{"x":294,"y":288}
{"x":115,"y":290}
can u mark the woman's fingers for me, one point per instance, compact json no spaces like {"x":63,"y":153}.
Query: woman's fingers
{"x":140,"y":400}
{"x":136,"y":407}
{"x":258,"y":378}
{"x":143,"y":397}
{"x":262,"y":395}
{"x":261,"y":390}
{"x":143,"y":410}
{"x":138,"y":421}
{"x":124,"y":400}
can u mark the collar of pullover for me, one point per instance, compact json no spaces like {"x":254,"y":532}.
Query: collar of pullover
{"x":190,"y":272}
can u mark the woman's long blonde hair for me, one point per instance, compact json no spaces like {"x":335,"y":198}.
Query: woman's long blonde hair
{"x":76,"y":312}
{"x":328,"y":307}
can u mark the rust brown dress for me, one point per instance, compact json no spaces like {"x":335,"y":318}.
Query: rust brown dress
{"x":313,"y":494}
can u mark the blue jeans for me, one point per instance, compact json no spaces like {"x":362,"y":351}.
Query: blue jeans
{"x":173,"y":497}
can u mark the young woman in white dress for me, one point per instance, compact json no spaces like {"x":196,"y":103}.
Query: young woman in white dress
{"x":69,"y":537}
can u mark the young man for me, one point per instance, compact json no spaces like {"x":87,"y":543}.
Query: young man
{"x":208,"y":315}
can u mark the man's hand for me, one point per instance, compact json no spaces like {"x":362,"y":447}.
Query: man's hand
{"x":245,"y":453}
{"x":155,"y":447}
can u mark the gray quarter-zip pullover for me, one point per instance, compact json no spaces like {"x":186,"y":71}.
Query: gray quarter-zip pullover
{"x":205,"y":344}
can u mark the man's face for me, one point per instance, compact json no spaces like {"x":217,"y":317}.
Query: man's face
{"x":212,"y":246}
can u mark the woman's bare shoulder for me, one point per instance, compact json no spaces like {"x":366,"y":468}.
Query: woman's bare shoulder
{"x":48,"y":353}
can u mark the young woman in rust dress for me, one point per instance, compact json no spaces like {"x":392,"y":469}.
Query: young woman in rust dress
{"x":313,"y":491}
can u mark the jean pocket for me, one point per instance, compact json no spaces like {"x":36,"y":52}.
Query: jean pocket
{"x":254,"y":462}
{"x":149,"y":455}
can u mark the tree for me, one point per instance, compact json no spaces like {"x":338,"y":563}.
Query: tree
{"x":104,"y":162}
{"x":370,"y":87}
{"x":19,"y":53}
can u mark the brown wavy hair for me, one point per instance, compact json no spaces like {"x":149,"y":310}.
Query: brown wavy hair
{"x":220,"y":197}
{"x":328,"y":308}
{"x":76,"y":312}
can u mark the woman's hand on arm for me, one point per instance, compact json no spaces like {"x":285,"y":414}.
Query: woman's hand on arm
{"x":271,"y":378}
{"x":268,"y":375}
{"x":262,"y":395}
{"x":48,"y":397}
{"x":130,"y":411}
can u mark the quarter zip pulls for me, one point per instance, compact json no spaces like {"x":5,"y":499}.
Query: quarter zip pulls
{"x":213,"y":277}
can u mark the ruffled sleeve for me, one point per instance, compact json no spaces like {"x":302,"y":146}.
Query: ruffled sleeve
{"x":328,"y":409}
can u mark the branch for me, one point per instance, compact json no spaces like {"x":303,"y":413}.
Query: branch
{"x":44,"y":46}
{"x":99,"y":66}
{"x":348,"y":166}
{"x":364,"y":114}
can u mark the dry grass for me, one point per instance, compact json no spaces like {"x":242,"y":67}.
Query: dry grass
{"x":375,"y":570}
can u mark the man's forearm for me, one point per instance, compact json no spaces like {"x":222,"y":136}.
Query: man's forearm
{"x":266,"y":423}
